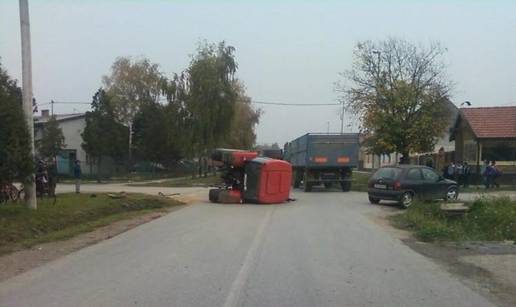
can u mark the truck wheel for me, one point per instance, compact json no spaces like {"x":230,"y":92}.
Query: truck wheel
{"x":346,"y":186}
{"x":308,"y":187}
{"x":296,"y":183}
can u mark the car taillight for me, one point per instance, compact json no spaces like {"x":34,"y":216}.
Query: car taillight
{"x":397,"y":185}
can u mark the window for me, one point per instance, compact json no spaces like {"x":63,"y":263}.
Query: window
{"x":414,"y":174}
{"x":501,"y":151}
{"x":387,"y":173}
{"x":429,"y":175}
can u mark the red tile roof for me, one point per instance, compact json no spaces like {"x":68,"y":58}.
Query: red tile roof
{"x":491,"y":122}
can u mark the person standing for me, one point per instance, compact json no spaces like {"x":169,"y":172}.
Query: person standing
{"x":451,"y":170}
{"x":77,"y":173}
{"x":459,"y":173}
{"x":484,"y":169}
{"x":466,"y":172}
{"x":495,"y":174}
{"x":52,"y":177}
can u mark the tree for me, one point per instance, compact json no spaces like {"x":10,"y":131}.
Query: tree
{"x":16,"y":161}
{"x":245,"y":118}
{"x":211,"y":95}
{"x":103,"y":136}
{"x":130,"y":85}
{"x":52,"y":141}
{"x":399,"y":91}
{"x":159,"y":134}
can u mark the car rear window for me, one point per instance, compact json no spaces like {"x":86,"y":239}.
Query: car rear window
{"x":387,"y":173}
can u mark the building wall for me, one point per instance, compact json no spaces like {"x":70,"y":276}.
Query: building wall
{"x":72,"y":130}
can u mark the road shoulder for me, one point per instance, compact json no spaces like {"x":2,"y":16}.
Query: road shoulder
{"x":24,"y":260}
{"x":488,"y":268}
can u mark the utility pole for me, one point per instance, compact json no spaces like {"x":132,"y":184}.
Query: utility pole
{"x":342,"y":119}
{"x":29,"y":184}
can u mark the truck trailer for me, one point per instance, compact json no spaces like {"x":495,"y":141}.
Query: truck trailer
{"x":322,"y":158}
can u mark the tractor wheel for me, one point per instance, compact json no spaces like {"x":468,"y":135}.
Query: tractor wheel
{"x":214,"y":195}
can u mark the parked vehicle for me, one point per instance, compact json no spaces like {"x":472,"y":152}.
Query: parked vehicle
{"x":404,"y":183}
{"x":326,"y":159}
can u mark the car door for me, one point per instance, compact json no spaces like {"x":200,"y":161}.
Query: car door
{"x":413,"y":181}
{"x":432,"y":186}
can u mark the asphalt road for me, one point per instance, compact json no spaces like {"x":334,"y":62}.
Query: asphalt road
{"x":321,"y":250}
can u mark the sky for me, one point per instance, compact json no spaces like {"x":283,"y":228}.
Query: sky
{"x":287,"y":51}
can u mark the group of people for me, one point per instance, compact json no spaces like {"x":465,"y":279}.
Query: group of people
{"x":490,"y":172}
{"x":460,"y":172}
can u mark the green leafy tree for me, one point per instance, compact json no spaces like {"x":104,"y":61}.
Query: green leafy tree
{"x":103,"y":136}
{"x":16,"y":161}
{"x":52,"y":141}
{"x":159,"y":134}
{"x":399,"y":91}
{"x":130,"y":85}
{"x":245,"y":118}
{"x":211,"y":95}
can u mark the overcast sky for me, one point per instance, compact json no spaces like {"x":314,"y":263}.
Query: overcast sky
{"x":287,"y":51}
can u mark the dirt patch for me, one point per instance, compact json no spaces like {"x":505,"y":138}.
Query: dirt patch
{"x":26,"y":259}
{"x":488,"y":268}
{"x":501,"y":266}
{"x":477,"y":265}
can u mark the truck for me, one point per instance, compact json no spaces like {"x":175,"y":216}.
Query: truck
{"x":323,"y":158}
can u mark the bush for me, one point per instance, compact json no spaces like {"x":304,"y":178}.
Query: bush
{"x":489,"y":219}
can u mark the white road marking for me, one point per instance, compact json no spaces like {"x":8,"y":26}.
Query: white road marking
{"x":238,"y":284}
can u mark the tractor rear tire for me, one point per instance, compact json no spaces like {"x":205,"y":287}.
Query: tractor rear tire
{"x":214,"y":195}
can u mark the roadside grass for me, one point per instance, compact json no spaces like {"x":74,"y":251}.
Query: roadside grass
{"x":360,"y":180}
{"x":489,"y":219}
{"x":72,"y":214}
{"x":211,"y":180}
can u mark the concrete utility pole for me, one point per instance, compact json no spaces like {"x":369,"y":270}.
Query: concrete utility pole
{"x":29,"y":185}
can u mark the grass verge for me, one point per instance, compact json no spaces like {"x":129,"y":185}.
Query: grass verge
{"x":70,"y":215}
{"x":360,"y":180}
{"x":489,"y":219}
{"x":183,"y":182}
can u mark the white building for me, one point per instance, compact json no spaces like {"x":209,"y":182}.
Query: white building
{"x":72,"y":126}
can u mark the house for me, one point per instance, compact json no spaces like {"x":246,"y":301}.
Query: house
{"x":72,"y":126}
{"x":487,"y":133}
{"x":442,"y":154}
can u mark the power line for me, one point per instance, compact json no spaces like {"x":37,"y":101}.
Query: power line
{"x":253,"y":101}
{"x":295,"y":104}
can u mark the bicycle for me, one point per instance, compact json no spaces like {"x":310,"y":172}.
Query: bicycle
{"x":9,"y":192}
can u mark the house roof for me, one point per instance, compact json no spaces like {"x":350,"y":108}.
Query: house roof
{"x":491,"y":122}
{"x":59,"y":117}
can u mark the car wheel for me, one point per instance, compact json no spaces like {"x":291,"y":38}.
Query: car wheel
{"x":452,"y":194}
{"x":373,"y":200}
{"x":406,"y":199}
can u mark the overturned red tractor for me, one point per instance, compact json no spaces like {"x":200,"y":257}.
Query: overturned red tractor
{"x":251,"y":179}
